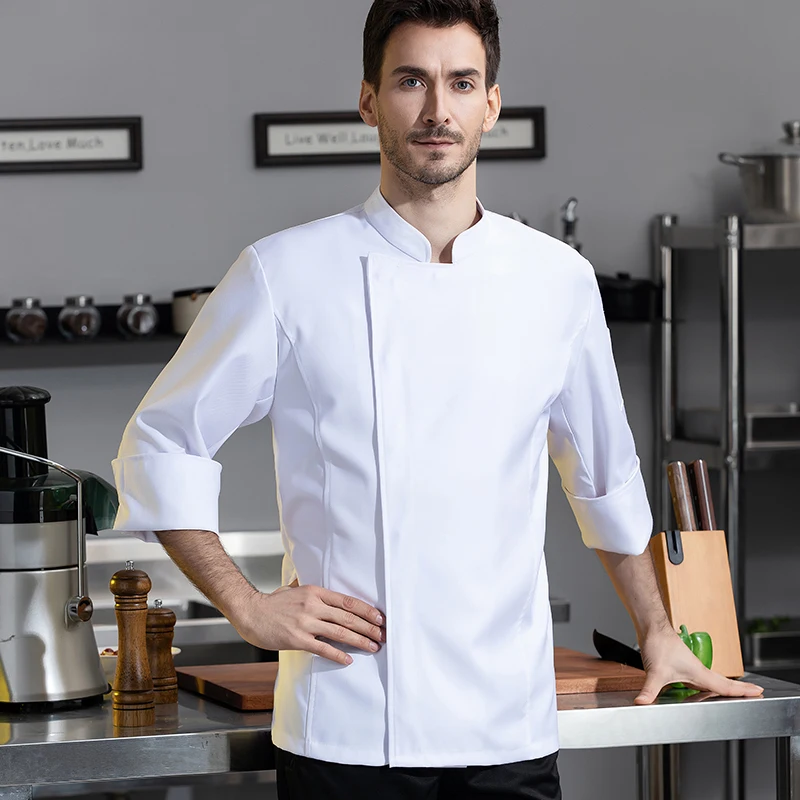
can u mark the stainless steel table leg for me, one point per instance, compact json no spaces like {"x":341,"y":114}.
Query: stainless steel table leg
{"x":734,"y":770}
{"x":788,"y":763}
{"x":16,"y":793}
{"x":657,"y":772}
{"x":644,"y":770}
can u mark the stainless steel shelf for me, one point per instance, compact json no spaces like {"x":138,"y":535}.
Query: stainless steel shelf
{"x":755,"y":236}
{"x":754,"y":458}
{"x":687,"y":450}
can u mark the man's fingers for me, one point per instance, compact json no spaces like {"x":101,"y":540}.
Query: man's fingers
{"x":351,"y":621}
{"x":714,"y":682}
{"x":338,"y":633}
{"x":353,"y":605}
{"x":326,"y":650}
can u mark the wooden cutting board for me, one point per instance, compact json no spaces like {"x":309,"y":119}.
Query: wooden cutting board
{"x":698,"y":593}
{"x":579,"y":673}
{"x":250,"y":687}
{"x":246,"y":687}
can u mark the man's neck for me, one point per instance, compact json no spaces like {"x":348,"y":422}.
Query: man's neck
{"x":440,"y":213}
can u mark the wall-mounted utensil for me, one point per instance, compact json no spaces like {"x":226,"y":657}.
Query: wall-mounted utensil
{"x":569,"y":223}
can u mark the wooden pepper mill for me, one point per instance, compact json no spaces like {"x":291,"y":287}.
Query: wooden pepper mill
{"x":133,"y":698}
{"x":160,"y":631}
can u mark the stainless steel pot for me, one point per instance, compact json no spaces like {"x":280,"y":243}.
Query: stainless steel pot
{"x":771,"y":180}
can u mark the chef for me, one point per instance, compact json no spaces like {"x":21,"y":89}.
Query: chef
{"x":419,"y":358}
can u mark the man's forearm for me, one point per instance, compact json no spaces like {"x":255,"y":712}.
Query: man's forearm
{"x":634,"y":578}
{"x":202,"y":558}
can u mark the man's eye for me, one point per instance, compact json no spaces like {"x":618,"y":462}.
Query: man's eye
{"x":464,"y":86}
{"x":409,"y":81}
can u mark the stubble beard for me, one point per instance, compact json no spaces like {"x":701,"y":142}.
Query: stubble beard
{"x":431,"y":172}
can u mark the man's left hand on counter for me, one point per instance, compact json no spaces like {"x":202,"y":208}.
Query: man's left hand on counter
{"x":667,"y":660}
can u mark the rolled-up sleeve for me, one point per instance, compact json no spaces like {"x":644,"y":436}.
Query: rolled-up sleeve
{"x":592,"y":446}
{"x":221,"y":378}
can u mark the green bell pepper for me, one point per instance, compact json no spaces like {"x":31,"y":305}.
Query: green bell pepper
{"x":700,"y":644}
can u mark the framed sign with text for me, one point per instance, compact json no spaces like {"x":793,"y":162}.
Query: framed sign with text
{"x":344,"y":138}
{"x":70,"y":145}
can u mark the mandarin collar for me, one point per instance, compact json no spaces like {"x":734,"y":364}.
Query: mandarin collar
{"x":406,"y":238}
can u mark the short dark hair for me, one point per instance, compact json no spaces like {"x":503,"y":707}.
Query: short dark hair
{"x":386,"y":15}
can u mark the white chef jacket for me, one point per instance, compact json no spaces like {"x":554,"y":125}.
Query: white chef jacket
{"x":411,"y":406}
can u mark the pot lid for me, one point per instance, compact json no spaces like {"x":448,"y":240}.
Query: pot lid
{"x":788,"y":146}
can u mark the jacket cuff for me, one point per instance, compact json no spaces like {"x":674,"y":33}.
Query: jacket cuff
{"x":619,"y":522}
{"x":165,"y":492}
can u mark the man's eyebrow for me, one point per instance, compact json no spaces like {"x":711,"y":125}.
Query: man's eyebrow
{"x":419,"y":72}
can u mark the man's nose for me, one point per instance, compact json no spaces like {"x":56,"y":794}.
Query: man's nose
{"x":435,"y":111}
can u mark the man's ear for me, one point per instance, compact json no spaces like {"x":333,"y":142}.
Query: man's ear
{"x":366,"y":104}
{"x":494,"y":104}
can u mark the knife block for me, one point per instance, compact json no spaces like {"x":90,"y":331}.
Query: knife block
{"x":698,"y":591}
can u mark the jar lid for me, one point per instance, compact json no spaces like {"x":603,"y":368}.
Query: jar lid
{"x":138,"y":299}
{"x":80,"y":300}
{"x":190,"y":292}
{"x":25,"y":302}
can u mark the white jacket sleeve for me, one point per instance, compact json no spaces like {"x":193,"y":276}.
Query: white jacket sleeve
{"x":221,"y":378}
{"x":592,"y":446}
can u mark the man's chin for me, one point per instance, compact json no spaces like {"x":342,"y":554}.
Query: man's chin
{"x":436,"y":172}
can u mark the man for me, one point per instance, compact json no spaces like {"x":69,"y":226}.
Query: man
{"x":416,"y":355}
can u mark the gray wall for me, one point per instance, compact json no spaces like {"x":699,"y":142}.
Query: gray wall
{"x":640,"y":99}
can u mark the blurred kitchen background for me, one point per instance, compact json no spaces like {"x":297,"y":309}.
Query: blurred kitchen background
{"x":640,"y":100}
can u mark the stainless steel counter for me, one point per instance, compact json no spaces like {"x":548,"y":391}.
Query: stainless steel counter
{"x":197,"y":738}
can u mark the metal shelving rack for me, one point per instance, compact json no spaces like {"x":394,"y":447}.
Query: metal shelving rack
{"x":734,"y":239}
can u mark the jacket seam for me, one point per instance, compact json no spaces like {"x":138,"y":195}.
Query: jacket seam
{"x":326,"y":558}
{"x":567,"y":379}
{"x":276,"y":322}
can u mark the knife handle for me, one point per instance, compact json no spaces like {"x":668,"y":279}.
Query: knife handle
{"x":698,"y":471}
{"x":681,"y":492}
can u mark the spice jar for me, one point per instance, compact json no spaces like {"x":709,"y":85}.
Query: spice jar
{"x":79,"y":320}
{"x":137,"y":317}
{"x":26,"y":322}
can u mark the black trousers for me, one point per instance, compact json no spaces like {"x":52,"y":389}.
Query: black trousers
{"x":301,"y":778}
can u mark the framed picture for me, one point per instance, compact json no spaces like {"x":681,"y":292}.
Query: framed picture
{"x":344,"y":138}
{"x":71,"y":145}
